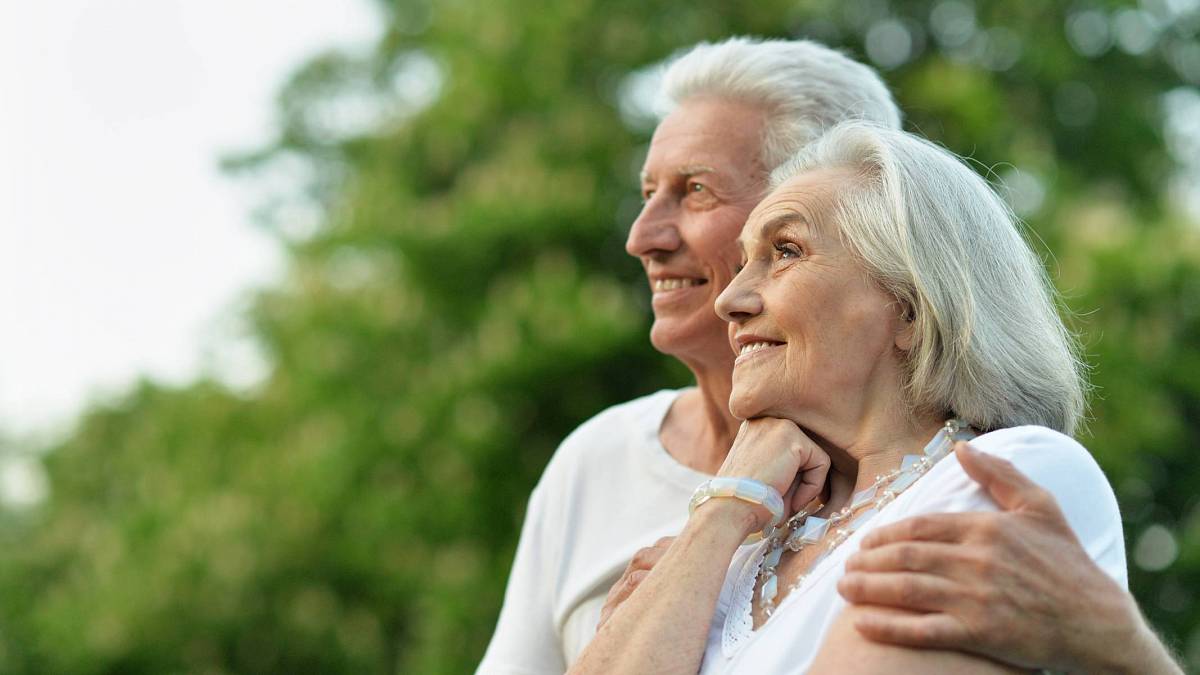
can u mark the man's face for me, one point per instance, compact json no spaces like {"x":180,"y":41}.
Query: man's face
{"x":702,"y":177}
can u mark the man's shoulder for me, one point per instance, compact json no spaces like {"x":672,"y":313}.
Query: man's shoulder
{"x":632,"y":421}
{"x":613,"y":443}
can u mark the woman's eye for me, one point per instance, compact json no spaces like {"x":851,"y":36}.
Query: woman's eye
{"x":787,"y":249}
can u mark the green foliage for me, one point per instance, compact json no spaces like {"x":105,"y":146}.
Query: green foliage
{"x":463,"y":300}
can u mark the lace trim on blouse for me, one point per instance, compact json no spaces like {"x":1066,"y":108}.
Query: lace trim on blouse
{"x":739,"y":623}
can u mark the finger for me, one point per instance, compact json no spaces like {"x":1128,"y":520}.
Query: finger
{"x":909,"y":629}
{"x":605,"y":612}
{"x":906,"y":556}
{"x":902,"y":590}
{"x":937,"y":527}
{"x":1008,"y":487}
{"x":812,"y":477}
{"x":621,"y":591}
{"x":792,"y":497}
{"x":647,"y":558}
{"x":618,"y":588}
{"x":631,"y":583}
{"x":616,"y":595}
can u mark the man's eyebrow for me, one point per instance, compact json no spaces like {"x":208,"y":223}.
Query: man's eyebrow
{"x":687,"y":170}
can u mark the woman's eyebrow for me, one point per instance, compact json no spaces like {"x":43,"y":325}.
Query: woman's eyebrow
{"x":775,"y":224}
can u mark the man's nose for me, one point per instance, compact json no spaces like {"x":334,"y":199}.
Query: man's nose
{"x":655,"y":231}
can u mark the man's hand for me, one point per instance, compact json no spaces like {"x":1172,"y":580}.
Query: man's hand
{"x":1013,"y":585}
{"x":643,"y":561}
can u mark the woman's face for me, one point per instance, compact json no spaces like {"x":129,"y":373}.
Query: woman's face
{"x":701,"y":179}
{"x":813,"y":333}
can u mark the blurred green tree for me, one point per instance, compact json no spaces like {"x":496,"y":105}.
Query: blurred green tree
{"x":458,"y":299}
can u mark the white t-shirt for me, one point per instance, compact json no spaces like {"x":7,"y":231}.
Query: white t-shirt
{"x":610,"y":489}
{"x":789,"y":640}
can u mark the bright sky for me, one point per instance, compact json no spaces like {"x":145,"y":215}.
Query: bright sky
{"x":123,"y":249}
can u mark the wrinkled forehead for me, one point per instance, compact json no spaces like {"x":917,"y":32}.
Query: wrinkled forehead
{"x":805,"y":202}
{"x":723,"y":137}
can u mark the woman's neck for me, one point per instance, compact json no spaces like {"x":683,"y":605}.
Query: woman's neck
{"x":873,"y":448}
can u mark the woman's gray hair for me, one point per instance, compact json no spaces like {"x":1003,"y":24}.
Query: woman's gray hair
{"x":988,"y":344}
{"x":803,"y":87}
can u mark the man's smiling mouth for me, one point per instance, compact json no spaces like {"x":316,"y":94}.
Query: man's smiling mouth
{"x":661,"y":285}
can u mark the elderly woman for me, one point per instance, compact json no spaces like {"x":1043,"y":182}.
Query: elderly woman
{"x":887,"y":308}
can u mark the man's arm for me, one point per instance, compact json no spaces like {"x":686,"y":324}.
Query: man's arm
{"x":663,"y":626}
{"x":526,"y":641}
{"x":1013,"y":585}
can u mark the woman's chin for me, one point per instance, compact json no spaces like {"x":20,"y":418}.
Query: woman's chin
{"x":743,"y":405}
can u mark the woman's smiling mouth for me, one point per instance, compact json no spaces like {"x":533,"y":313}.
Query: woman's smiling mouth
{"x":750,"y":347}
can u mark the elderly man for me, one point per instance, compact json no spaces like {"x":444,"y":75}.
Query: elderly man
{"x":623,"y":479}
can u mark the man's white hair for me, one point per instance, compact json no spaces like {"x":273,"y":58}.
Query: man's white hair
{"x":803,"y":88}
{"x":988,"y":344}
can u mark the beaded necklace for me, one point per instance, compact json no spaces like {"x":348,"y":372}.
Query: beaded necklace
{"x":804,"y":529}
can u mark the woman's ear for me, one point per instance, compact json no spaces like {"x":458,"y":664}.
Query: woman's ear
{"x":906,"y":327}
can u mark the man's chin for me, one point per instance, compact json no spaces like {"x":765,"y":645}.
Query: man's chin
{"x":672,"y":335}
{"x":692,"y":338}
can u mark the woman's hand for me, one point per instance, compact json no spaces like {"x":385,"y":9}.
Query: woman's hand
{"x":776,"y":452}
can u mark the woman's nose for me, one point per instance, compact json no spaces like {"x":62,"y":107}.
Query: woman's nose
{"x":655,"y":231}
{"x":740,"y":300}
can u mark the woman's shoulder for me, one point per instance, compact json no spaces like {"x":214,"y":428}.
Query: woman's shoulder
{"x":1058,"y":464}
{"x":1046,"y":456}
{"x":1028,"y":436}
{"x":1054,"y":461}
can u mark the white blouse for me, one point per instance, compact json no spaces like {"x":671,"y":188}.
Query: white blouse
{"x":790,"y":639}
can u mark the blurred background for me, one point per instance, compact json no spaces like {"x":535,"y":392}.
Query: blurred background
{"x":299,"y":297}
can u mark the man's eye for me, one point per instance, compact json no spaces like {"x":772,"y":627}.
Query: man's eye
{"x":647,"y":194}
{"x":693,"y":186}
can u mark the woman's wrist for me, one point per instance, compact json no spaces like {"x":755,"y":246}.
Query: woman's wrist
{"x":755,"y":493}
{"x":732,"y":515}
